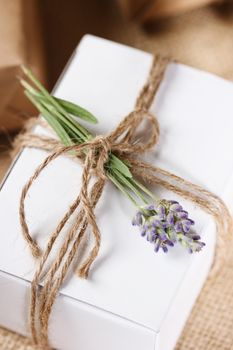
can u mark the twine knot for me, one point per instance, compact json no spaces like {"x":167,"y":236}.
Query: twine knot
{"x":99,"y":155}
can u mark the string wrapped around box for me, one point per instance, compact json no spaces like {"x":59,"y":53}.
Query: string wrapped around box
{"x":121,"y":141}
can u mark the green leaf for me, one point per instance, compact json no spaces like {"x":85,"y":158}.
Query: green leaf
{"x":63,"y":120}
{"x":77,"y":111}
{"x":118,"y":164}
{"x":56,"y":126}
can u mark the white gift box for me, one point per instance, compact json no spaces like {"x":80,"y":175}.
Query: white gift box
{"x":134,"y":299}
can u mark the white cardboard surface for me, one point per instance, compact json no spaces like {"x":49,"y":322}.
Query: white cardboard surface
{"x":133,"y":295}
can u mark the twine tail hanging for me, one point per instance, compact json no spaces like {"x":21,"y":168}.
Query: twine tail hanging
{"x":122,"y":142}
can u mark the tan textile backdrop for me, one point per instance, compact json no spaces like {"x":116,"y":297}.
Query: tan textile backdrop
{"x":203,"y":39}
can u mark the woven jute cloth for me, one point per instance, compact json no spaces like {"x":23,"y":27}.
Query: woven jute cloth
{"x":202,"y":39}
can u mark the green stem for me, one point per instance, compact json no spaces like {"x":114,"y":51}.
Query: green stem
{"x":122,"y":189}
{"x":144,"y":189}
{"x":127,"y":182}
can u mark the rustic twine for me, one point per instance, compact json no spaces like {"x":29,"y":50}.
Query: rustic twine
{"x":121,"y":141}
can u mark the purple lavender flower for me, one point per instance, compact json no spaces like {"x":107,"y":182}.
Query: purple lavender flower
{"x":166,"y":223}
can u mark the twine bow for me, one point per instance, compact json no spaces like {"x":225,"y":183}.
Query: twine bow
{"x":94,"y":155}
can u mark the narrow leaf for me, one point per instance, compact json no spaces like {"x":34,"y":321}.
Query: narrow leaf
{"x":77,"y":111}
{"x":55,"y":125}
{"x":118,"y":164}
{"x":63,"y":120}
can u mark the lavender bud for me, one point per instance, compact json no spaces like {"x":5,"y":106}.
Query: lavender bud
{"x":178,"y":226}
{"x":162,"y":234}
{"x":176,"y":207}
{"x":195,"y":237}
{"x":143,"y":232}
{"x":165,"y":249}
{"x":172,"y":202}
{"x":151,"y":237}
{"x":186,"y":228}
{"x":170,"y":219}
{"x":161,"y":212}
{"x":157,"y":245}
{"x":191,"y":221}
{"x":170,"y":243}
{"x":182,"y":214}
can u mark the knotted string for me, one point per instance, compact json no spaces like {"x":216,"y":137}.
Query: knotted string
{"x":123,"y":142}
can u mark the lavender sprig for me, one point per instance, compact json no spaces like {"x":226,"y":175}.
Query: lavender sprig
{"x":163,"y":223}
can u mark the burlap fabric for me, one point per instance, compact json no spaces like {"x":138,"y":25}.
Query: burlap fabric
{"x":202,"y":39}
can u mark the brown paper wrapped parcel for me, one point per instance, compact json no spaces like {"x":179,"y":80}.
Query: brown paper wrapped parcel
{"x":20,"y":44}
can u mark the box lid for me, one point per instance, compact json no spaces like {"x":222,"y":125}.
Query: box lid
{"x":194,"y":110}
